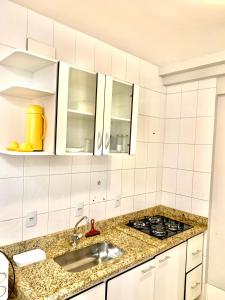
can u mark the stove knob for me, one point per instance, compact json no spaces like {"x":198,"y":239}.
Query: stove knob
{"x":2,"y":291}
{"x":2,"y":276}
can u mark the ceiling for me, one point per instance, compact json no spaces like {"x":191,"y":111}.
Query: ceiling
{"x":160,"y":31}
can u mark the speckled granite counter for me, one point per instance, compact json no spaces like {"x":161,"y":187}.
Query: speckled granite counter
{"x":47,"y":280}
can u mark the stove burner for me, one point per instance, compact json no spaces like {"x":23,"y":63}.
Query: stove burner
{"x":159,"y":226}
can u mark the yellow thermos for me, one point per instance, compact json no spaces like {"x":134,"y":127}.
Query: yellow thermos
{"x":36,"y":127}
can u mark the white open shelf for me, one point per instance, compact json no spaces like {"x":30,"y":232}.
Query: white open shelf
{"x":79,"y":113}
{"x":25,"y":92}
{"x":114,"y":118}
{"x":33,"y":153}
{"x":27,"y":61}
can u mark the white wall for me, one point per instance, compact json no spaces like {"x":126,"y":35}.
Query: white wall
{"x":54,"y":186}
{"x":189,"y":123}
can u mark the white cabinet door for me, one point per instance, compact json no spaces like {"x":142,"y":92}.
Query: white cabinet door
{"x":96,"y":293}
{"x":120,"y":117}
{"x":136,"y":284}
{"x":80,"y":111}
{"x":194,"y":252}
{"x":170,"y":274}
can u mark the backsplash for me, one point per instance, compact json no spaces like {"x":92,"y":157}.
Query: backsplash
{"x":56,"y":186}
{"x":189,"y":124}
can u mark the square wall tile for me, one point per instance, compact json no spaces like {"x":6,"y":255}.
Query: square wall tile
{"x":80,"y":191}
{"x":85,"y":51}
{"x":200,"y":207}
{"x":155,"y":154}
{"x":139,"y":202}
{"x":58,"y":220}
{"x":38,"y":230}
{"x":98,"y":187}
{"x":187,"y":131}
{"x":59,"y":192}
{"x":204,"y":130}
{"x":14,"y":22}
{"x":207,"y":83}
{"x":11,"y":166}
{"x":126,"y":205}
{"x":155,"y":130}
{"x":201,"y":185}
{"x":141,"y":155}
{"x":151,"y":180}
{"x":172,"y":130}
{"x":170,"y":155}
{"x":127,"y":182}
{"x":203,"y":158}
{"x":189,"y":86}
{"x":155,"y":104}
{"x":168,"y":199}
{"x":112,"y":208}
{"x":11,"y":196}
{"x":184,"y":182}
{"x":128,"y":161}
{"x":132,"y":70}
{"x":81,"y":164}
{"x":189,"y":104}
{"x":186,"y":157}
{"x":115,"y":161}
{"x":119,"y":62}
{"x":98,"y":211}
{"x":150,"y":199}
{"x":74,"y":219}
{"x":35,"y":194}
{"x":159,"y":179}
{"x":99,"y":163}
{"x":173,"y":102}
{"x":140,"y":181}
{"x":206,"y":102}
{"x":36,"y":165}
{"x":169,"y":180}
{"x":64,"y":42}
{"x":144,"y":101}
{"x":114,"y":181}
{"x":142,"y":128}
{"x":103,"y":58}
{"x":183,"y":203}
{"x":175,"y":88}
{"x":40,"y":28}
{"x":10,"y":232}
{"x":60,"y":164}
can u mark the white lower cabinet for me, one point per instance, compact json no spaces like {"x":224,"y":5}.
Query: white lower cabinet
{"x":136,"y":284}
{"x":194,"y":284}
{"x":170,"y":274}
{"x":95,"y":293}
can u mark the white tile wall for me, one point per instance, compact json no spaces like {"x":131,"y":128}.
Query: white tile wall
{"x":189,"y":128}
{"x":118,"y":184}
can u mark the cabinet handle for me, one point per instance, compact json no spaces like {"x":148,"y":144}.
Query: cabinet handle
{"x":107,"y":140}
{"x":99,"y":140}
{"x":148,"y":269}
{"x":196,"y":252}
{"x":164,"y":259}
{"x":195,"y":285}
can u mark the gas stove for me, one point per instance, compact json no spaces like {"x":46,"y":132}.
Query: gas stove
{"x":159,"y":226}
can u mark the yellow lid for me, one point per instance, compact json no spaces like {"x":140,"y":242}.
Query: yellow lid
{"x":34,"y":109}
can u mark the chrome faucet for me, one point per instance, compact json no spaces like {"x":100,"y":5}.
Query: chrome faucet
{"x":77,"y":236}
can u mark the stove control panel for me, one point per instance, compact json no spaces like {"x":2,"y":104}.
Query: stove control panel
{"x":4,"y":267}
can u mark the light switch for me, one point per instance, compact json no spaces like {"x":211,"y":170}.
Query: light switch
{"x":31,"y":219}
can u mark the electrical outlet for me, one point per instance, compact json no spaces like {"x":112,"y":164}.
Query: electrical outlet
{"x":79,"y":209}
{"x":117,"y":203}
{"x":31,"y":219}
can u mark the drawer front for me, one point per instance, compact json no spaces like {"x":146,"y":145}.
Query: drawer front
{"x":194,"y":284}
{"x":194,"y":252}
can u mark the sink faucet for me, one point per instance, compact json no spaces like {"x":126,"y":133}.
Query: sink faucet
{"x":77,"y":236}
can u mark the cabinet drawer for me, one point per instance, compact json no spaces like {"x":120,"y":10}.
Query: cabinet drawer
{"x":194,"y":252}
{"x":194,"y":283}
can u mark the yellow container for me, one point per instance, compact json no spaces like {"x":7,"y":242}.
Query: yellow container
{"x":36,"y":127}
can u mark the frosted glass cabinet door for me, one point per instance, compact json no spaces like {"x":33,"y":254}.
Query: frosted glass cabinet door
{"x":80,"y":111}
{"x":120,"y":117}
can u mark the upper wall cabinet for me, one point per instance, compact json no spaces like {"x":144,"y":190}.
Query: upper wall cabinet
{"x":26,"y":79}
{"x":96,"y":114}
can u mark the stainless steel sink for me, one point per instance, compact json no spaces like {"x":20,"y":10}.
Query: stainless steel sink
{"x":85,"y":258}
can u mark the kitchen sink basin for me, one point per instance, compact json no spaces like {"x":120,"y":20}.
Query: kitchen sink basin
{"x":85,"y":258}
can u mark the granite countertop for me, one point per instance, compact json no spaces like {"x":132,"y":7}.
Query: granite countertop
{"x":47,"y":280}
